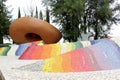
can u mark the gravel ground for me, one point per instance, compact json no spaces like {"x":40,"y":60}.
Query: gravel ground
{"x":14,"y":69}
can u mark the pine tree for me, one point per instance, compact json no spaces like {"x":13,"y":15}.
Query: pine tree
{"x":4,"y":21}
{"x":83,"y":16}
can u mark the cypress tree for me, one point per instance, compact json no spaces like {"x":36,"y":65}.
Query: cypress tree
{"x":36,"y":13}
{"x":47,"y":15}
{"x":40,"y":15}
{"x":19,"y":13}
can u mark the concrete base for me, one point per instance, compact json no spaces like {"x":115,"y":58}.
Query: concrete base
{"x":13,"y":69}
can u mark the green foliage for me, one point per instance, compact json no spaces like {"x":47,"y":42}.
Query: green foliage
{"x":4,"y":21}
{"x":5,"y":45}
{"x":82,"y":16}
{"x":68,"y":14}
{"x":101,"y":14}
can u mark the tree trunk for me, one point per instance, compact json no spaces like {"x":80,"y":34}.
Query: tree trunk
{"x":96,"y":32}
{"x":1,"y":38}
{"x":96,"y":36}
